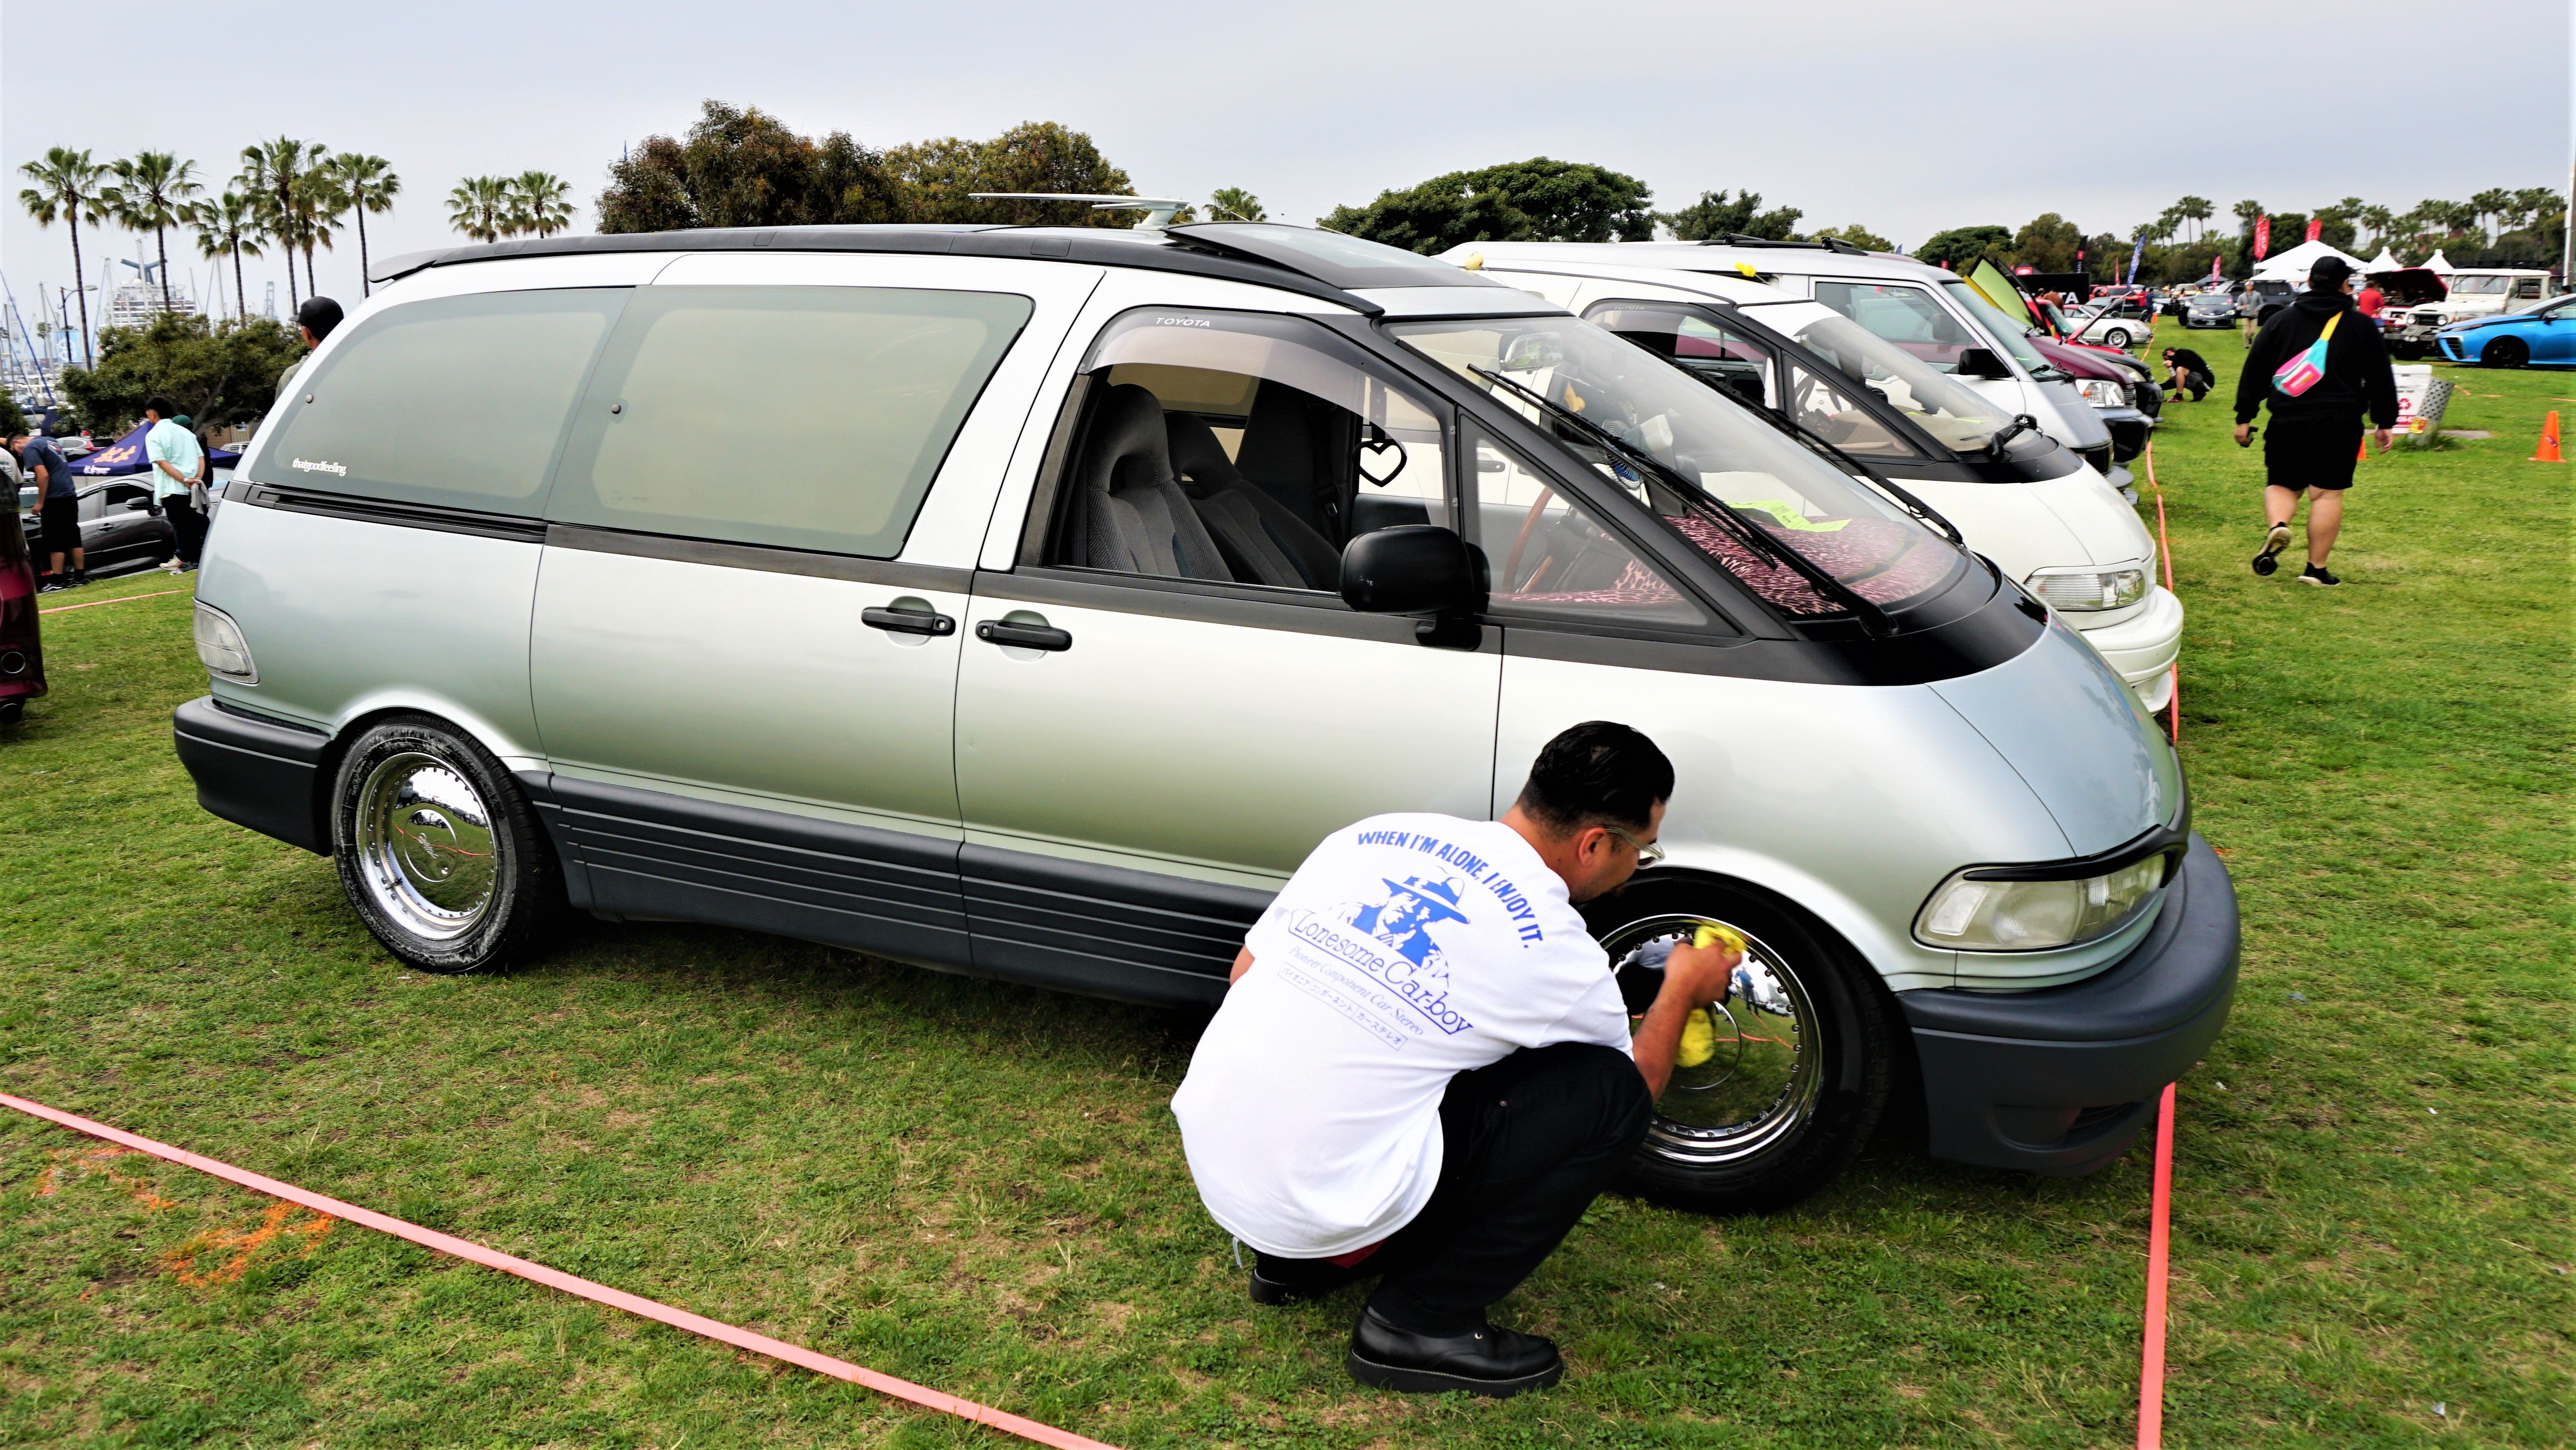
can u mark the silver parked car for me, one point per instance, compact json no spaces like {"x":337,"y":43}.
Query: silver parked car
{"x":1115,"y":571}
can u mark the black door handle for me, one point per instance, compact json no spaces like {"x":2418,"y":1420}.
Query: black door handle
{"x":1026,"y":636}
{"x":908,"y":621}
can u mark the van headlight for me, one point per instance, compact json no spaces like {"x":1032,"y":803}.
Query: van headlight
{"x":1983,"y":910}
{"x":2073,"y":590}
{"x":2103,"y":392}
{"x":221,"y":648}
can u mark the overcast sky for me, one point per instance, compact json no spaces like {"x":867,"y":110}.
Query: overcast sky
{"x":1905,"y":117}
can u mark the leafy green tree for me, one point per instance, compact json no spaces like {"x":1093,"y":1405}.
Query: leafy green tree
{"x":2379,"y":219}
{"x":1961,"y":248}
{"x":745,"y":168}
{"x":152,"y":194}
{"x":1714,"y":216}
{"x":1571,"y":201}
{"x":280,"y":173}
{"x":70,"y":187}
{"x":1433,"y":217}
{"x":937,"y":179}
{"x":370,"y":185}
{"x":1856,"y":235}
{"x":479,"y":206}
{"x":13,"y":421}
{"x":539,"y":204}
{"x":216,"y":373}
{"x":1234,"y":204}
{"x":229,"y":226}
{"x":2340,"y":230}
{"x":2047,"y":243}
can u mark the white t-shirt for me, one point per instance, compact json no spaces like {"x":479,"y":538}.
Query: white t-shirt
{"x":1406,"y":950}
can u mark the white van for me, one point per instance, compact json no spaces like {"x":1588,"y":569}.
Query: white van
{"x":2045,"y":516}
{"x":1128,"y":566}
{"x":1931,"y":313}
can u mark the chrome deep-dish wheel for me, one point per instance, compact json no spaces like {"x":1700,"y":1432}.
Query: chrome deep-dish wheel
{"x":1798,"y":1064}
{"x":425,"y":847}
{"x":1759,"y":1083}
{"x":438,"y":849}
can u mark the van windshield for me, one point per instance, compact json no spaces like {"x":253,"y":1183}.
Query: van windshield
{"x":2010,"y":333}
{"x":1950,"y":411}
{"x":1740,"y":491}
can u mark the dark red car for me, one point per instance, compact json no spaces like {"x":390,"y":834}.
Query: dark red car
{"x":22,"y":651}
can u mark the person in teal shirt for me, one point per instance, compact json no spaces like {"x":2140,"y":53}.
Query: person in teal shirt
{"x":177,"y":458}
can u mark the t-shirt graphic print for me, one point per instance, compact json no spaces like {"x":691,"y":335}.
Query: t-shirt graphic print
{"x":1405,"y":950}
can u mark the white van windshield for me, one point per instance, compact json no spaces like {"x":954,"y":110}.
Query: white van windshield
{"x":1738,"y":489}
{"x":1950,"y":411}
{"x":2010,"y":333}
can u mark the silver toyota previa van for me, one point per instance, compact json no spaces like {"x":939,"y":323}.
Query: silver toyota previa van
{"x":1087,"y":578}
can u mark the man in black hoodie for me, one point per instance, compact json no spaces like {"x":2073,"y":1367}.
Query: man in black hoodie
{"x":2315,"y":437}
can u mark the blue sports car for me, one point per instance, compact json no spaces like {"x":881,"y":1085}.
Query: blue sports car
{"x":2545,"y":334}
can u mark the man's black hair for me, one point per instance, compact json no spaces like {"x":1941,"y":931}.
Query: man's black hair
{"x":318,"y":316}
{"x":160,"y":404}
{"x":1594,"y":773}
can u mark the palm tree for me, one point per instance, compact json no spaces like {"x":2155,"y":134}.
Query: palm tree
{"x":67,"y":186}
{"x":480,"y":207}
{"x":151,"y":195}
{"x":2379,"y":219}
{"x":1236,"y":203}
{"x":319,"y":205}
{"x":538,"y":204}
{"x":230,"y":224}
{"x":270,"y":170}
{"x":2195,"y":210}
{"x":2492,"y":202}
{"x":370,"y":185}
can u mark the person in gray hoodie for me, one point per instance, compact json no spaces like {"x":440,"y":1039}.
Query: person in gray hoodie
{"x":2315,"y":437}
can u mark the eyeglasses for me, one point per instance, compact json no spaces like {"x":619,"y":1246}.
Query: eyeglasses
{"x":1648,"y":852}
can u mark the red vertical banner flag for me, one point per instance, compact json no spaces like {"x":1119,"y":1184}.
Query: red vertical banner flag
{"x":2213,"y":269}
{"x":2316,"y":227}
{"x":2262,"y":236}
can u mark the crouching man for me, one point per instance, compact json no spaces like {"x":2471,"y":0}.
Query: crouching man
{"x":1423,"y":1071}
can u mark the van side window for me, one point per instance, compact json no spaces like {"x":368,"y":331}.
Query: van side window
{"x":861,"y":389}
{"x":1716,"y":353}
{"x":1240,"y":448}
{"x":456,"y":401}
{"x":1549,"y":557}
{"x":1906,"y":316}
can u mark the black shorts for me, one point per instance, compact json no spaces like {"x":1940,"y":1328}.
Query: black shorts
{"x":62,"y":525}
{"x":2305,"y":453}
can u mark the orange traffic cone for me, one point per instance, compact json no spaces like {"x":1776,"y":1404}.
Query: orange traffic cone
{"x":2361,"y":454}
{"x":2549,"y":441}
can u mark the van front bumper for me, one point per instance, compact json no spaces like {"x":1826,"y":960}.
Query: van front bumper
{"x":2061,"y":1081}
{"x":2142,"y":648}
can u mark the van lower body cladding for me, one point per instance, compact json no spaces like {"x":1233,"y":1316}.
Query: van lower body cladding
{"x":2143,"y":648}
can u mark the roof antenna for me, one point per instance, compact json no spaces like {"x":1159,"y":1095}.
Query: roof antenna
{"x":1158,"y":210}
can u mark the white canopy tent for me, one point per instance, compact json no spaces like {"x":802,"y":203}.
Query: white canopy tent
{"x":2386,"y":261}
{"x":2439,"y":264}
{"x":2292,"y":266}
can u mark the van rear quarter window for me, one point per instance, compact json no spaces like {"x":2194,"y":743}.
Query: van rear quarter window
{"x":862,"y":389}
{"x":456,"y":401}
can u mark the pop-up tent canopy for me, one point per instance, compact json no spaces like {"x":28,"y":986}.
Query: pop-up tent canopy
{"x":2293,"y":265}
{"x":2386,"y":261}
{"x":2439,"y":263}
{"x":125,"y":456}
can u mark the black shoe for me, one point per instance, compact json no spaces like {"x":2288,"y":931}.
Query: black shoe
{"x":1274,"y":1292}
{"x":2275,"y":539}
{"x":51,"y":586}
{"x":1487,"y":1361}
{"x":2316,"y":574}
{"x":80,"y":578}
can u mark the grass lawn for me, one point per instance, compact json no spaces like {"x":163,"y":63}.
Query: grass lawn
{"x":979,"y":1186}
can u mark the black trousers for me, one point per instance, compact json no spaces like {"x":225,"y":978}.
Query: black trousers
{"x":1528,"y":1143}
{"x":188,"y":525}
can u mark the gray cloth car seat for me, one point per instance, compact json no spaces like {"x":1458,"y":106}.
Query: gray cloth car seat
{"x":1262,"y":541}
{"x":1134,"y":517}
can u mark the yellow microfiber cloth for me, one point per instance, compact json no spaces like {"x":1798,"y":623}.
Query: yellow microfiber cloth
{"x":1699,"y":1032}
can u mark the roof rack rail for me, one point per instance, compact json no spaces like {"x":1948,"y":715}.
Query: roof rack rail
{"x":1829,"y":244}
{"x":1158,"y":210}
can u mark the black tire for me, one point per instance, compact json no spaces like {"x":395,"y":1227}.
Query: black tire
{"x":1730,"y":1151}
{"x":12,"y":711}
{"x":2505,"y":352}
{"x":438,"y":849}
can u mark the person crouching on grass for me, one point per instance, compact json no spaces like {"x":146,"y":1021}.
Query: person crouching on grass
{"x":2315,"y":437}
{"x":1423,"y":1070}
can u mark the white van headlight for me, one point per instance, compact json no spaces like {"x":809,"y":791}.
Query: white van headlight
{"x":1980,"y":910}
{"x":2070,"y":590}
{"x":2103,"y":392}
{"x":221,"y":648}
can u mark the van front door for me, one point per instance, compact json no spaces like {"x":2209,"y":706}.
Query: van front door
{"x":1165,"y":704}
{"x":744,"y":657}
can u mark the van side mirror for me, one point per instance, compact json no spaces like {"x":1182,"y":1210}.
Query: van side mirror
{"x":1981,"y":362}
{"x":1418,"y":569}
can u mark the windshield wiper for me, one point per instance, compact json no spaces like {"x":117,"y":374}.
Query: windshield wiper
{"x":1813,"y":439}
{"x":1748,"y":533}
{"x":2021,"y":423}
